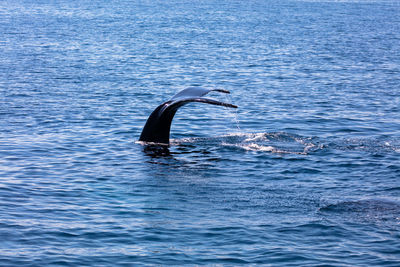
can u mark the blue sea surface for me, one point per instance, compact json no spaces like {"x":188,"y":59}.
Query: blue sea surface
{"x":306,"y":172}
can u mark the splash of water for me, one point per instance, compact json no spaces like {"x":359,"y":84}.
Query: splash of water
{"x":233,"y":112}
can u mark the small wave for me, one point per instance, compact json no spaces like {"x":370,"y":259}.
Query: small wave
{"x":262,"y":148}
{"x":144,"y":143}
{"x":362,"y":206}
{"x":277,"y":142}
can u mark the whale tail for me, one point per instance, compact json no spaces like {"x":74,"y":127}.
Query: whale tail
{"x":158,"y":125}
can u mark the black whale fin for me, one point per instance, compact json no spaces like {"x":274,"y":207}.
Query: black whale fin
{"x":158,"y":124}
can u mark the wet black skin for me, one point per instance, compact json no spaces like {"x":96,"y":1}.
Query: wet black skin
{"x":158,"y":125}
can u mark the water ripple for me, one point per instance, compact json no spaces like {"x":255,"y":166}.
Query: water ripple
{"x":304,"y":173}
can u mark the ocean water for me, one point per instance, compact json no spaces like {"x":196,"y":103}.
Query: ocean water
{"x":305,"y":172}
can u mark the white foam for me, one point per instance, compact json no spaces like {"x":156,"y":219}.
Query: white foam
{"x":256,"y":147}
{"x":255,"y":137}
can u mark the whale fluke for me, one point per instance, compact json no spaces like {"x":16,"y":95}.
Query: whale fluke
{"x":158,"y":125}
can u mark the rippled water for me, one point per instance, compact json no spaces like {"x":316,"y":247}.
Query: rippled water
{"x":306,"y":172}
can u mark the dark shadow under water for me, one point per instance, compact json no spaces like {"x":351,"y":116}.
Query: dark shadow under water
{"x":374,"y":210}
